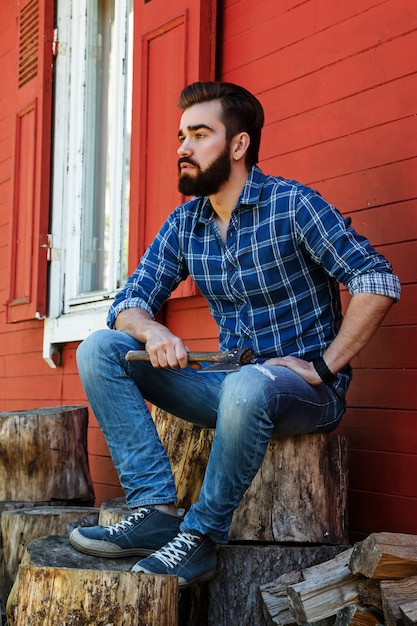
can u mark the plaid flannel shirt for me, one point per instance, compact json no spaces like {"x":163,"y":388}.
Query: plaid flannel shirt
{"x":274,"y":285}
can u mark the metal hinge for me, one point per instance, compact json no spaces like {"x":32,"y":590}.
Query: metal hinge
{"x":52,"y":254}
{"x":55,"y":43}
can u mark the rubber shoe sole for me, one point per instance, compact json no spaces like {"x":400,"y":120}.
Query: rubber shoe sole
{"x":96,"y":547}
{"x":140,"y":534}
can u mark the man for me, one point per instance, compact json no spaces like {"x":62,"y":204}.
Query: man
{"x":268,"y":255}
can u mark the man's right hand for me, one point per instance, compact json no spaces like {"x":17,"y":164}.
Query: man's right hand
{"x":164,"y":348}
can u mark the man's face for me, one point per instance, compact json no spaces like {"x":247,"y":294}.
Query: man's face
{"x":204,"y":164}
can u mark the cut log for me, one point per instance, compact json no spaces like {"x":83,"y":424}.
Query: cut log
{"x":385,"y":555}
{"x":56,"y":554}
{"x":394,"y":593}
{"x":322,"y":596}
{"x":357,"y":615}
{"x":43,"y":455}
{"x":340,"y":563}
{"x":369,"y":592}
{"x":72,"y":597}
{"x":285,"y":503}
{"x":20,"y":526}
{"x":274,"y":596}
{"x":408,"y":612}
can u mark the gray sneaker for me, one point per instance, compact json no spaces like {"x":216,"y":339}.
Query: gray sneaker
{"x":141,"y":533}
{"x":191,"y":557}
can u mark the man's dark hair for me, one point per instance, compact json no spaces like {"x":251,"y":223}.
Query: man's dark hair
{"x":240,"y":111}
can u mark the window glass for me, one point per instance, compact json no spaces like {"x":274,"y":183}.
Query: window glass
{"x":88,"y":241}
{"x":104,"y":217}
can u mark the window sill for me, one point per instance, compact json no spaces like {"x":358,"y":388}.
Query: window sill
{"x":74,"y":326}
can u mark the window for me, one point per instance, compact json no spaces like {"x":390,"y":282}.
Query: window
{"x":90,"y":179}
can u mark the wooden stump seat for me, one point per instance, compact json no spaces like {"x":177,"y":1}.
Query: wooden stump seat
{"x":298,"y":495}
{"x":43,"y":455}
{"x":58,"y":585}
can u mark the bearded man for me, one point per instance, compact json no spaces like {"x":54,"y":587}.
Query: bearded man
{"x":268,"y":254}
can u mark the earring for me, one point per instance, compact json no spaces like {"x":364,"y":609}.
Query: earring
{"x":236,"y":158}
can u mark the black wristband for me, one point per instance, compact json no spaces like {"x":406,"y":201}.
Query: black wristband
{"x":323,"y":371}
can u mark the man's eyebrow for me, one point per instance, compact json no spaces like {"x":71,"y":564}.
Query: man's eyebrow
{"x":194,"y":128}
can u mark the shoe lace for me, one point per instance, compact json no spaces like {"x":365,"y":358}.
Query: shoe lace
{"x":172,"y":554}
{"x":129,"y":522}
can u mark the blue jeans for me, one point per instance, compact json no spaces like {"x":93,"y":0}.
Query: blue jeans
{"x":246,"y":408}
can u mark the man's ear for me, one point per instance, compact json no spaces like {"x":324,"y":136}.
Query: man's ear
{"x":239,"y":145}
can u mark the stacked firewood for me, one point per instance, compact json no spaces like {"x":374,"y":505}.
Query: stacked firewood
{"x":375,"y":582}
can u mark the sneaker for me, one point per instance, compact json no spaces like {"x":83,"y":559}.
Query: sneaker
{"x":141,"y":533}
{"x":190,"y":557}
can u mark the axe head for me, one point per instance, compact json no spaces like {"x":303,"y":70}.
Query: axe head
{"x":230,"y":361}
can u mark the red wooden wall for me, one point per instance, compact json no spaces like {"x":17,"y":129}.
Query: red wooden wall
{"x":339,"y":84}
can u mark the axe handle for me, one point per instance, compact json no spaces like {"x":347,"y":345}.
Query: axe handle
{"x":193,"y":357}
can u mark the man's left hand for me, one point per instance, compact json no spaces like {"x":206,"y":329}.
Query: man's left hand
{"x":305,"y":369}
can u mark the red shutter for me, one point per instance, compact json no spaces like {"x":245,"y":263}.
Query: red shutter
{"x":29,"y":227}
{"x":174,"y":44}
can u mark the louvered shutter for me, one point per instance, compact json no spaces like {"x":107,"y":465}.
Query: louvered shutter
{"x":32,"y":152}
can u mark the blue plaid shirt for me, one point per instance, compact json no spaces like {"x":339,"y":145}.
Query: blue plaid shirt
{"x":273,"y":286}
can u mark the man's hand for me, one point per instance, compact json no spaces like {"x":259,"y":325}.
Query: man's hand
{"x":164,"y":348}
{"x":303,"y":368}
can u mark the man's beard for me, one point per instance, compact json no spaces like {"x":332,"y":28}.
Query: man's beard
{"x":209,"y":181}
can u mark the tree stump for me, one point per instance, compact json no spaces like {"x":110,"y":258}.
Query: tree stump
{"x":58,"y":585}
{"x":299,"y":494}
{"x":43,"y":455}
{"x":20,"y":526}
{"x":46,"y":595}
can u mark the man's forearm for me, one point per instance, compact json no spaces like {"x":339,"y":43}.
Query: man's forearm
{"x":364,"y":314}
{"x":136,"y":322}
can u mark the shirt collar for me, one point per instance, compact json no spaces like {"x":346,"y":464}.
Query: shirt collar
{"x":250,"y":194}
{"x":253,"y":187}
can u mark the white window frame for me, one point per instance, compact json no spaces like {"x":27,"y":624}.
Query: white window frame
{"x":71,"y":315}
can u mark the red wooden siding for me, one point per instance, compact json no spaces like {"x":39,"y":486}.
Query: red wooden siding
{"x":178,"y":35}
{"x":338,"y":81}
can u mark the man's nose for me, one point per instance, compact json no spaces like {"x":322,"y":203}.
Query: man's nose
{"x":184,"y":148}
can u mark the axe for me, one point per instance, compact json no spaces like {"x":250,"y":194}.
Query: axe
{"x":222,"y":361}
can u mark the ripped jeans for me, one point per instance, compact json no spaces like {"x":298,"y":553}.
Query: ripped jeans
{"x":246,"y":408}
